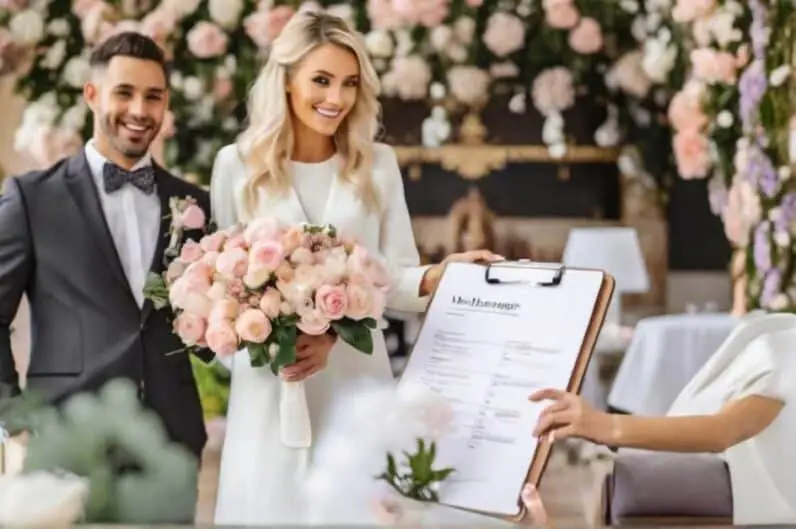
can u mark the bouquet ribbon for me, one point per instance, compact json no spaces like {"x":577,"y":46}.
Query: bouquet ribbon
{"x":294,"y":415}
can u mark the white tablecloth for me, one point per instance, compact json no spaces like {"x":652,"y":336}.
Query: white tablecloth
{"x":664,"y":354}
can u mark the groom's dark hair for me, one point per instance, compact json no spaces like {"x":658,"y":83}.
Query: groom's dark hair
{"x":129,"y":44}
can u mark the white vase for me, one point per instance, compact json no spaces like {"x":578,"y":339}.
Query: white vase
{"x":294,"y":415}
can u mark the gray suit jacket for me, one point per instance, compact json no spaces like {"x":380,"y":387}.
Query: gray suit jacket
{"x":86,"y":327}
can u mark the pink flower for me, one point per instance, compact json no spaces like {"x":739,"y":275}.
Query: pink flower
{"x":192,"y":218}
{"x":587,"y":37}
{"x":742,"y":213}
{"x":428,"y":13}
{"x":217,"y":292}
{"x":80,"y":8}
{"x":235,"y":241}
{"x":292,"y":239}
{"x":190,"y":251}
{"x":379,"y":303}
{"x":686,"y":11}
{"x":262,"y":230}
{"x":553,"y":90}
{"x":313,"y":323}
{"x":271,"y":302}
{"x":302,"y":256}
{"x":360,"y":301}
{"x":197,"y":304}
{"x":212,"y":242}
{"x":206,"y":40}
{"x":253,"y":326}
{"x":561,"y":14}
{"x":284,"y":272}
{"x":331,"y":301}
{"x":190,"y":328}
{"x":232,"y":263}
{"x":685,"y":111}
{"x":382,"y":15}
{"x":265,"y":25}
{"x":175,"y":270}
{"x":714,"y":66}
{"x":266,"y":255}
{"x":742,"y":56}
{"x":361,"y":264}
{"x":159,"y":24}
{"x":222,"y":88}
{"x":692,"y":154}
{"x":307,"y":277}
{"x":210,"y":259}
{"x":504,"y":34}
{"x":224,"y":310}
{"x":221,"y":338}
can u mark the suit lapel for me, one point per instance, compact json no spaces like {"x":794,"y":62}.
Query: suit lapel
{"x":81,"y":186}
{"x":165,"y":192}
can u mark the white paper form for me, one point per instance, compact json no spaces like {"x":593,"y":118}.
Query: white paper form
{"x":486,"y":348}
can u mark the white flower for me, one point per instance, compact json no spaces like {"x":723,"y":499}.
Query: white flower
{"x":457,"y":53}
{"x":42,"y":499}
{"x":553,"y":129}
{"x":193,"y":88}
{"x":629,"y":6}
{"x":658,"y":59}
{"x":225,"y":12}
{"x":77,"y":71}
{"x":75,"y":117}
{"x":639,"y":28}
{"x":344,"y":11}
{"x":464,"y":30}
{"x":557,"y":150}
{"x":441,"y":37}
{"x":721,"y":25}
{"x":405,"y":43}
{"x":379,"y":44}
{"x":517,"y":103}
{"x":58,"y":28}
{"x":779,"y":75}
{"x":27,"y":27}
{"x":725,"y":119}
{"x":779,"y":302}
{"x":608,"y":134}
{"x":181,"y":8}
{"x":784,"y":173}
{"x":437,"y":90}
{"x":55,"y":55}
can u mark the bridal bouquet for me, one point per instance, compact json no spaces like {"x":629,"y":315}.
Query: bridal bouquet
{"x":258,"y":286}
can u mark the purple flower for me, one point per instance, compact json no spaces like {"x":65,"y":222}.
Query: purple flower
{"x":751,"y":87}
{"x":758,"y":30}
{"x":787,"y":213}
{"x":761,"y":172}
{"x":762,"y":248}
{"x":771,"y":287}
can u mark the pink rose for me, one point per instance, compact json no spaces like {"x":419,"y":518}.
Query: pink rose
{"x":686,"y":11}
{"x":561,"y":14}
{"x":362,"y":265}
{"x":331,"y":301}
{"x":587,"y":37}
{"x":292,"y":239}
{"x":190,"y":251}
{"x":174,"y":271}
{"x":193,"y":218}
{"x":266,"y":255}
{"x":685,"y":111}
{"x":232,"y":263}
{"x":253,"y":326}
{"x":264,"y":25}
{"x":222,"y":88}
{"x":210,"y":259}
{"x":263,"y":229}
{"x":224,"y":310}
{"x":217,"y":292}
{"x":212,"y":242}
{"x":692,"y":154}
{"x":313,"y":323}
{"x":190,"y":328}
{"x":80,"y":8}
{"x":206,"y":40}
{"x":360,"y":301}
{"x":221,"y":338}
{"x":284,"y":272}
{"x":271,"y":302}
{"x":302,"y":256}
{"x":711,"y":65}
{"x":307,"y":277}
{"x":159,"y":24}
{"x":235,"y":241}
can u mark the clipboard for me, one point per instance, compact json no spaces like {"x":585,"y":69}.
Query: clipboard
{"x":514,"y":273}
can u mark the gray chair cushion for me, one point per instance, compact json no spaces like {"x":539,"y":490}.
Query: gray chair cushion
{"x":663,"y":484}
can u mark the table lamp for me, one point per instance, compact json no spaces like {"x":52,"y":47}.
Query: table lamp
{"x":615,"y":250}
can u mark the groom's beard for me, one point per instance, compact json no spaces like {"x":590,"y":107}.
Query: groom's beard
{"x":129,"y":143}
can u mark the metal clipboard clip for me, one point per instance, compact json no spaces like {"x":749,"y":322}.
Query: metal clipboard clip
{"x":557,"y":269}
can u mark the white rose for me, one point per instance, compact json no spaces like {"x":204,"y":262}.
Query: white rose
{"x":725,"y":119}
{"x":58,"y":27}
{"x":779,"y":75}
{"x":42,"y":499}
{"x":405,"y":43}
{"x":75,"y":117}
{"x":55,"y":55}
{"x":629,"y":6}
{"x":77,"y":71}
{"x":658,"y":59}
{"x":457,"y":53}
{"x":379,"y":44}
{"x":639,"y":28}
{"x":721,"y":25}
{"x":27,"y":27}
{"x":464,"y":29}
{"x":193,"y":88}
{"x":441,"y":37}
{"x":225,"y":12}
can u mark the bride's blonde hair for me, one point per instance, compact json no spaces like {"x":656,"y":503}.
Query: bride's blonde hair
{"x":267,"y":143}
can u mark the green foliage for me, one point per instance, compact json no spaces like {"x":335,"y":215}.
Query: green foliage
{"x":213,"y":382}
{"x":416,"y":477}
{"x":137,"y":476}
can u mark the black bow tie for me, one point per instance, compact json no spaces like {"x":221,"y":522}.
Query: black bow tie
{"x":114,"y":178}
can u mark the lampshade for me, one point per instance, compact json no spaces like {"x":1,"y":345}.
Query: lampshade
{"x":613,"y":249}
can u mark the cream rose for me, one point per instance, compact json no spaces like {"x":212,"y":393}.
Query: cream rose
{"x":253,"y":326}
{"x":221,"y":338}
{"x":190,"y":328}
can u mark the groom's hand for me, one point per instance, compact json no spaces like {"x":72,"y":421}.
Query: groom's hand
{"x":312,"y":353}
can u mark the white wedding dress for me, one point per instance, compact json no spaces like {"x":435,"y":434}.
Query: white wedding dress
{"x":262,"y":481}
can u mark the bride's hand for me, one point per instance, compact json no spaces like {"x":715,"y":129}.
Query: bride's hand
{"x":570,"y":416}
{"x":533,"y":502}
{"x":434,"y":273}
{"x":312,"y":353}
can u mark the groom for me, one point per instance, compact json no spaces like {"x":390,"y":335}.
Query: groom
{"x":80,"y":238}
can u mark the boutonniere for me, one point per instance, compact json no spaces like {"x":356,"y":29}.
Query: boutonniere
{"x":185,"y":215}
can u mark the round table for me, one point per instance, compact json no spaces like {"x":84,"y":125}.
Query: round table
{"x":664,"y":355}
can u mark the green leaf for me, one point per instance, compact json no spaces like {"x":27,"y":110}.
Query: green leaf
{"x":156,"y":291}
{"x":285,"y":338}
{"x":370,"y":323}
{"x":258,"y":354}
{"x":354,"y":334}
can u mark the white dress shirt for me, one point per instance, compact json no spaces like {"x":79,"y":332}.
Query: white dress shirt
{"x":133,"y":218}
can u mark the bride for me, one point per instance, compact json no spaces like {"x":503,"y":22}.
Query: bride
{"x":309,"y":155}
